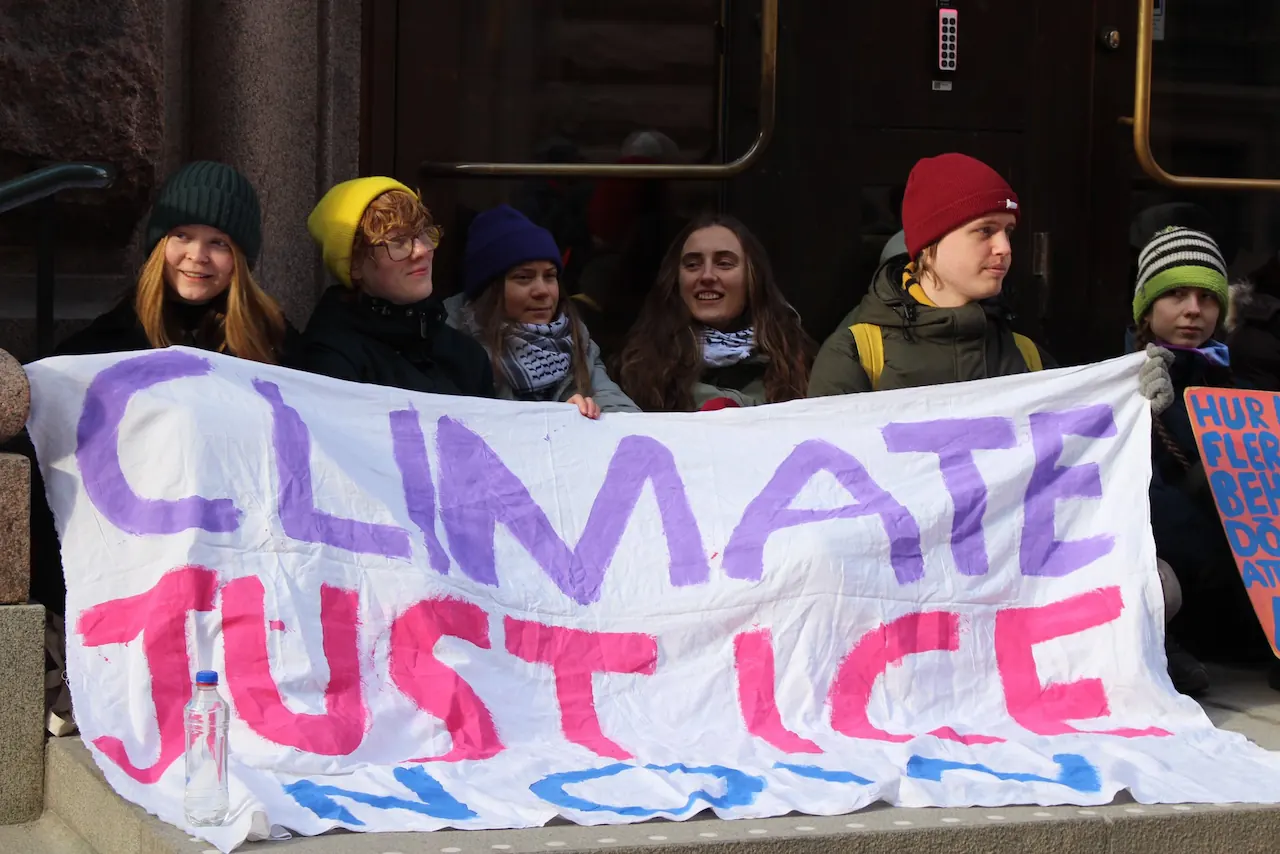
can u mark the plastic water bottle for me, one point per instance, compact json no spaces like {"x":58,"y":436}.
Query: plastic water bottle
{"x":206,"y":798}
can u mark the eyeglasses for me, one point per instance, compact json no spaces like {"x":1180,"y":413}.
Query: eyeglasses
{"x":400,"y":248}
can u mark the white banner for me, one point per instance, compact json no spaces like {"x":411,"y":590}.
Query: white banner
{"x":437,"y":612}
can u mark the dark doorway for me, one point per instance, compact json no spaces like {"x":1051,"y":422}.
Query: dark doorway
{"x":1037,"y":93}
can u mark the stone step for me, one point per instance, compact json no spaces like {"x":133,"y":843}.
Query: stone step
{"x":77,"y":792}
{"x":46,"y":835}
{"x":21,"y":700}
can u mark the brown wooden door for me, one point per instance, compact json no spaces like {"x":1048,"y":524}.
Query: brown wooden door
{"x":858,"y":105}
{"x":532,"y":80}
{"x":1035,"y":95}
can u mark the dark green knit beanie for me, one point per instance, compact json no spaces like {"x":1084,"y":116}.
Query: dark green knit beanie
{"x":213,"y":194}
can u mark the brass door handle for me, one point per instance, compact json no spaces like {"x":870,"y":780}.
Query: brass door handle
{"x":1142,"y":122}
{"x":697,"y":172}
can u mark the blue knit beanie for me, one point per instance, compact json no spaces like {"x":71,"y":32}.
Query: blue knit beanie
{"x":498,"y":240}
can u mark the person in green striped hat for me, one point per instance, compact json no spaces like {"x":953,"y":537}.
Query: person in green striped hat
{"x":1179,"y":304}
{"x":1182,"y":290}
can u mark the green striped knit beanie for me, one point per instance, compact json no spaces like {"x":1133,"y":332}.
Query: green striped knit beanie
{"x":1178,"y":257}
{"x":212,"y":194}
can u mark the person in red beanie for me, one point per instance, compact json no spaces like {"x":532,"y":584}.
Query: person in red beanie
{"x":931,"y":316}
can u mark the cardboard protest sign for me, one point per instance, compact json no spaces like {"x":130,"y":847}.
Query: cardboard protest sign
{"x":445,"y":612}
{"x":1240,"y":450}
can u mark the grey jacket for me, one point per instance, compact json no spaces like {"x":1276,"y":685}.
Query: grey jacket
{"x":604,"y":390}
{"x":742,"y":383}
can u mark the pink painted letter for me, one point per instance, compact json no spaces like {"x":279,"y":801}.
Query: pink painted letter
{"x":436,"y":688}
{"x":1045,"y":709}
{"x":253,"y":689}
{"x":160,"y":616}
{"x":753,"y":659}
{"x":574,"y":655}
{"x":877,"y":651}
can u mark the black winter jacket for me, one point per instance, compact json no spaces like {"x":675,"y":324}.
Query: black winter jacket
{"x":353,"y":337}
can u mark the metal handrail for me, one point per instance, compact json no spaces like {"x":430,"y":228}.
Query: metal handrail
{"x":1142,"y":121}
{"x":697,"y":172}
{"x":39,"y":188}
{"x":42,"y":183}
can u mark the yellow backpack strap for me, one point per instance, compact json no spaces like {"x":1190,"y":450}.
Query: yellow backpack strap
{"x":870,"y":342}
{"x":1030,"y":352}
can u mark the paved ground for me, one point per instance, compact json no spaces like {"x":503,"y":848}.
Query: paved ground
{"x":1241,"y":701}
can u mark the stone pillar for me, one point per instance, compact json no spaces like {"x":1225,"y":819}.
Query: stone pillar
{"x":15,"y":486}
{"x":21,"y":625}
{"x":275,"y":92}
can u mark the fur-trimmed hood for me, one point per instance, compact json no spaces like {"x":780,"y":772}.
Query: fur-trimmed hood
{"x":1248,"y":304}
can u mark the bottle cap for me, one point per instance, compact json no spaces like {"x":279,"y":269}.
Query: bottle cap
{"x":207,"y":677}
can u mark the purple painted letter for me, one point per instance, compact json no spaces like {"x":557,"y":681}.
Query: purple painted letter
{"x":477,"y":491}
{"x":770,"y":511}
{"x":1041,"y":552}
{"x":97,"y":446}
{"x":954,"y":441}
{"x":415,"y":476}
{"x":298,"y":512}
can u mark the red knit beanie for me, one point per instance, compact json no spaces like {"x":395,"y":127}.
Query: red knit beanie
{"x":945,"y":192}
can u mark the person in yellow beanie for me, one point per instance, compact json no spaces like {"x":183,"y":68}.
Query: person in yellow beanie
{"x":382,"y":324}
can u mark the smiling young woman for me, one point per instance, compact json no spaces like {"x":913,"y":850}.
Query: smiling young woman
{"x":196,"y":287}
{"x":715,"y":327}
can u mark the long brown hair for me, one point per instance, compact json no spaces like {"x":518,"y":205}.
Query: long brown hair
{"x":661,"y":358}
{"x":250,"y":325}
{"x":489,"y":311}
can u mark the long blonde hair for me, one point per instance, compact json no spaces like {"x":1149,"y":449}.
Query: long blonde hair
{"x":251,"y":326}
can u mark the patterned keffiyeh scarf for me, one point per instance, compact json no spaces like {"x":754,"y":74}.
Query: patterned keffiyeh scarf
{"x":538,"y":356}
{"x":722,"y":349}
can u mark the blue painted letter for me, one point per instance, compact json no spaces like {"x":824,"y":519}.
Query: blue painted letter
{"x":433,"y":800}
{"x":1076,"y":772}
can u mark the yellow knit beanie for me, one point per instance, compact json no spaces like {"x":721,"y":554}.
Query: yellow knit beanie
{"x":335,"y":219}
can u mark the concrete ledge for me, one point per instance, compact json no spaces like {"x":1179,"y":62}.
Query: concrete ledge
{"x":21,"y":713}
{"x":79,"y":795}
{"x":1241,"y":701}
{"x":47,"y":835}
{"x":879,"y":830}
